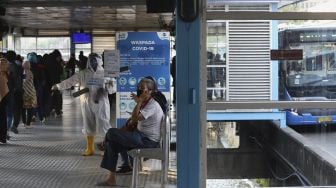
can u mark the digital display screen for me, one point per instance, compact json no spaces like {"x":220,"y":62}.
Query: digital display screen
{"x":81,"y":38}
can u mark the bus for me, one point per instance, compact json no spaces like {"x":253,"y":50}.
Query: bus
{"x":311,"y":79}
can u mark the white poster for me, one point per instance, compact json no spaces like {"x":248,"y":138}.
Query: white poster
{"x":111,"y":63}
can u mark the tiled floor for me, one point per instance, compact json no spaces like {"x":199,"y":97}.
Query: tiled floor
{"x":49,"y":157}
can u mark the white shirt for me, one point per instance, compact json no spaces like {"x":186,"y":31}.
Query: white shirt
{"x":153,"y":115}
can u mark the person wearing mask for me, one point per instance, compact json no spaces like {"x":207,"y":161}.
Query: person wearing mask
{"x":38,"y":67}
{"x":29,"y":95}
{"x":94,"y":103}
{"x":3,"y":99}
{"x":148,"y":115}
{"x":15,"y":90}
{"x":54,"y":71}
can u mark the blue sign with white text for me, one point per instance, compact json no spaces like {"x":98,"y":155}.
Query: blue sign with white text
{"x":145,"y":54}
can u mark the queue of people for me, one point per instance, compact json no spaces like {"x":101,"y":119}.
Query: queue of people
{"x":26,"y":87}
{"x":25,"y":90}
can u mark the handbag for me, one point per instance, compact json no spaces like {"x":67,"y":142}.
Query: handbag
{"x":129,"y":126}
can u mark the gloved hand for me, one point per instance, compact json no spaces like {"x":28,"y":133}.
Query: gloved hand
{"x":54,"y":87}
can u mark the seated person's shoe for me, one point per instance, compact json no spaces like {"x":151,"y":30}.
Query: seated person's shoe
{"x":124,"y":170}
{"x":105,"y":183}
{"x":101,"y":146}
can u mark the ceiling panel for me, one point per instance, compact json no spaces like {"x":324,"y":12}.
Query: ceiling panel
{"x":77,"y":14}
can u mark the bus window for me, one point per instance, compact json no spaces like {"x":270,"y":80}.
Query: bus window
{"x":314,"y":64}
{"x":331,"y":61}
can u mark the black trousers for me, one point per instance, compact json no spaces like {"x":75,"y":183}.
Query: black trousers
{"x":54,"y":100}
{"x":27,"y":114}
{"x":3,"y":119}
{"x":17,"y":108}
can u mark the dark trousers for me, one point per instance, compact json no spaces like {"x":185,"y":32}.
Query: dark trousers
{"x":27,"y":114}
{"x":57,"y":101}
{"x":3,"y":119}
{"x":41,"y":103}
{"x":17,"y":108}
{"x":54,"y":100}
{"x":117,"y":141}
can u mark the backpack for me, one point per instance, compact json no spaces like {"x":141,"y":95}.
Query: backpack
{"x":161,"y":99}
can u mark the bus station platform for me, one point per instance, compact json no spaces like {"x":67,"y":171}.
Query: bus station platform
{"x":50,"y":156}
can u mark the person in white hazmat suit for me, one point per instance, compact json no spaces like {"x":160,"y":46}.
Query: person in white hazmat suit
{"x":94,"y":103}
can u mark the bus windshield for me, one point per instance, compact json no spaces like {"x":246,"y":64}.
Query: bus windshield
{"x":317,"y":68}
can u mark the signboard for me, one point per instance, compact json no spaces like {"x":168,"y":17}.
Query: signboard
{"x":111,"y":63}
{"x":145,"y":54}
{"x":286,"y":54}
{"x":96,"y":80}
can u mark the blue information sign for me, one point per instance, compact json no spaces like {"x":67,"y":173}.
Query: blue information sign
{"x":145,"y":54}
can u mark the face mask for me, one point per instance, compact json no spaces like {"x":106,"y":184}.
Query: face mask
{"x":139,"y":92}
{"x":93,"y":63}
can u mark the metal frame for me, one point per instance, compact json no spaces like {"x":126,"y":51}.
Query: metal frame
{"x":241,"y":15}
{"x":220,"y":106}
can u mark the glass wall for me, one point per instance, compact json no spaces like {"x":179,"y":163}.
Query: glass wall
{"x":43,"y":45}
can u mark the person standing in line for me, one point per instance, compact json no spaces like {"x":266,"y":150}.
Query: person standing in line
{"x":15,"y":89}
{"x":33,"y":59}
{"x":71,"y":65}
{"x":82,"y":58}
{"x":54,"y":70}
{"x":29,"y":95}
{"x":3,"y":99}
{"x":37,"y":64}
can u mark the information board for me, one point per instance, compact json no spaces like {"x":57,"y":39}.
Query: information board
{"x":146,"y":54}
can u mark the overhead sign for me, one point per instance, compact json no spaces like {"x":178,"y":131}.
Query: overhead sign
{"x":286,"y":54}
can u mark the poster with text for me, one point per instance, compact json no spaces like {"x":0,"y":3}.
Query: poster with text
{"x":111,"y":63}
{"x":145,"y":54}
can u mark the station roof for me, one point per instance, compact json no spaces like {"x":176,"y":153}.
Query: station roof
{"x":116,"y":15}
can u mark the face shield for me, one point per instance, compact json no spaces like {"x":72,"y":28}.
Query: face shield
{"x":93,"y":62}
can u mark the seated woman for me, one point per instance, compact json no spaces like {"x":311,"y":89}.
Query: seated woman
{"x":148,"y":115}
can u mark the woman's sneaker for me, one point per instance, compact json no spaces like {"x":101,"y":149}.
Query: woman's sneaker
{"x":14,"y":130}
{"x":42,"y":122}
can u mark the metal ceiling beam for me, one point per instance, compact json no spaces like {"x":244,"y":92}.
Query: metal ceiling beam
{"x":216,"y":15}
{"x":70,"y":3}
{"x":270,"y":105}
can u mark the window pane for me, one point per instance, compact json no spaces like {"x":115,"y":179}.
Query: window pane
{"x":216,"y":61}
{"x":48,"y":44}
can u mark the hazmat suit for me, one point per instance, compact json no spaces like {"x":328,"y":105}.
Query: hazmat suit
{"x":94,"y":103}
